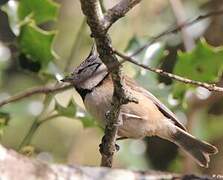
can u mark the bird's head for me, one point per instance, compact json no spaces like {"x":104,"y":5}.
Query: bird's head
{"x":89,"y":73}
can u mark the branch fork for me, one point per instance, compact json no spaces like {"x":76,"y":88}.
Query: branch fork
{"x":99,"y":25}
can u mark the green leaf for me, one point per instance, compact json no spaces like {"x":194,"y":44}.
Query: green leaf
{"x":203,"y":64}
{"x":68,"y":111}
{"x":88,"y":121}
{"x":42,"y":10}
{"x":36,"y":43}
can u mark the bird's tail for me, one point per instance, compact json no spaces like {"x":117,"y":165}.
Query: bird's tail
{"x":198,"y":149}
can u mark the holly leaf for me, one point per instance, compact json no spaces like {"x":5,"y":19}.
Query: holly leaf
{"x":204,"y":63}
{"x":42,"y":10}
{"x":68,"y":111}
{"x":36,"y":43}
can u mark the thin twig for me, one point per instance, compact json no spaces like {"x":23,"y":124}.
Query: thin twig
{"x":34,"y":91}
{"x":176,"y":29}
{"x":210,"y":87}
{"x":47,"y":90}
{"x":39,"y":90}
{"x":118,"y":11}
{"x":36,"y":124}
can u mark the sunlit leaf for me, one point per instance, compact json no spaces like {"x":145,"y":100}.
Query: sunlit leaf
{"x":68,"y":111}
{"x":88,"y":121}
{"x":42,"y":10}
{"x":36,"y":43}
{"x":204,"y":63}
{"x":85,"y":118}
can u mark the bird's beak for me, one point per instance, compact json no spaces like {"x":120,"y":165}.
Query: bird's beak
{"x":67,"y":79}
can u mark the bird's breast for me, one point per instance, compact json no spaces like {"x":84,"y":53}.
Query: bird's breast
{"x":138,"y":120}
{"x":98,"y":102}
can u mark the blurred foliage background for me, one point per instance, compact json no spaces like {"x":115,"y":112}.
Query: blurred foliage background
{"x":43,"y":40}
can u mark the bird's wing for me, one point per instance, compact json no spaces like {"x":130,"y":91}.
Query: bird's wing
{"x":166,"y":112}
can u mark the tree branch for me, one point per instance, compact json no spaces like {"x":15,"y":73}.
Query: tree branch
{"x":210,"y":87}
{"x":40,"y":90}
{"x":95,"y":19}
{"x":34,"y":91}
{"x":119,"y":11}
{"x":173,"y":30}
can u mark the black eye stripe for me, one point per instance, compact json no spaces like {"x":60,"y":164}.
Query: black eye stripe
{"x":98,"y":64}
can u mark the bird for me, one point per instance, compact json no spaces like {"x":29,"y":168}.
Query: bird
{"x":147,"y":117}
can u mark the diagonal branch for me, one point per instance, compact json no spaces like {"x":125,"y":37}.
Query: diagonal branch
{"x":34,"y":91}
{"x":56,"y":89}
{"x":176,"y":29}
{"x":210,"y":87}
{"x":119,"y":11}
{"x":40,"y":90}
